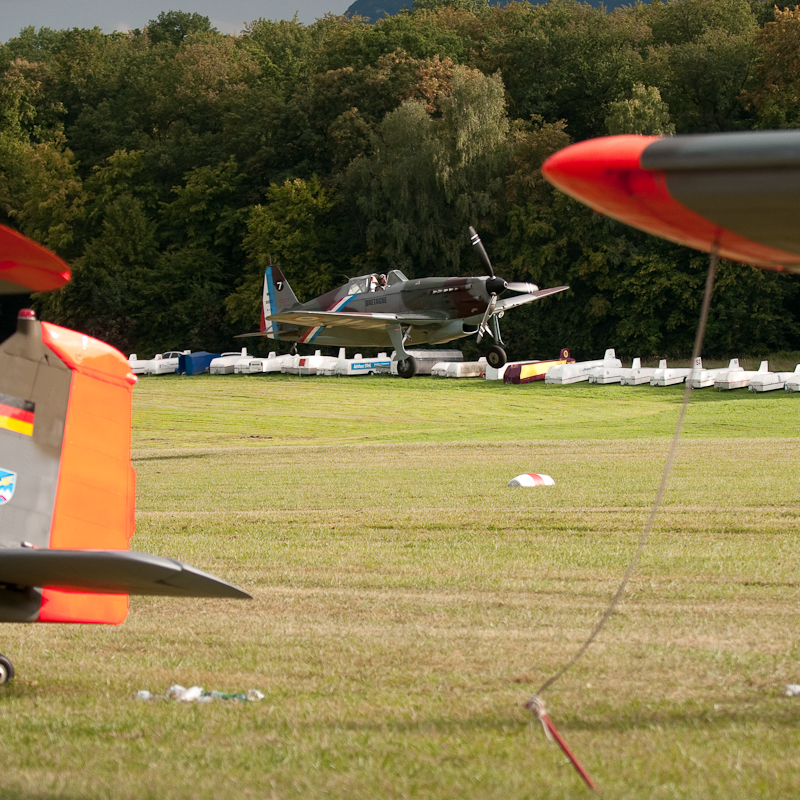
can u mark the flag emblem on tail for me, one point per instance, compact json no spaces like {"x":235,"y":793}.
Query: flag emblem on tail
{"x":8,"y":481}
{"x":16,"y":414}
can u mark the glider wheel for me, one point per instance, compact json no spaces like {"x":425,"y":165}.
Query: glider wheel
{"x":496,"y":357}
{"x":407,"y":368}
{"x":6,"y":669}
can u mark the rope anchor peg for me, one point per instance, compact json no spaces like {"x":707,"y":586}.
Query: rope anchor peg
{"x":536,"y":705}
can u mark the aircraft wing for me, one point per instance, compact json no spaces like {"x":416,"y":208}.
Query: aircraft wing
{"x":28,"y":267}
{"x":110,"y":572}
{"x":519,"y":300}
{"x":739,"y":192}
{"x":361,"y":321}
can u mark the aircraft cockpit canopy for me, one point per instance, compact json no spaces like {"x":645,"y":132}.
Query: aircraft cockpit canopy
{"x":395,"y":276}
{"x":358,"y":285}
{"x":375,"y":282}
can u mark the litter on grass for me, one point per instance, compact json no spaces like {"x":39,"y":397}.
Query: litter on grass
{"x":196,"y":694}
{"x":792,"y":689}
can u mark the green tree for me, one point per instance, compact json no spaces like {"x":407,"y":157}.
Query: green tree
{"x":433,"y":175}
{"x":775,"y":95}
{"x":104,"y":297}
{"x":174,"y":26}
{"x":201,"y":231}
{"x":644,"y":112}
{"x":39,"y":188}
{"x":120,"y":243}
{"x":702,"y":60}
{"x":294,"y":230}
{"x":564,"y":60}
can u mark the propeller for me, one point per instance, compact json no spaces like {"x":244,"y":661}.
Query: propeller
{"x":495,"y":286}
{"x":478,"y":245}
{"x":522,"y":286}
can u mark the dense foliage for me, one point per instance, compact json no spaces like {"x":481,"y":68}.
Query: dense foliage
{"x":170,"y":165}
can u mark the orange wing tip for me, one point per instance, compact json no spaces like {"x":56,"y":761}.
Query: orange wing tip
{"x":601,"y":173}
{"x":28,"y":265}
{"x":606,"y":175}
{"x":85,"y":354}
{"x":576,"y":168}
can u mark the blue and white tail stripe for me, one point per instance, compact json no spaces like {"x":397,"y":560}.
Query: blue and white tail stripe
{"x":269,"y":327}
{"x":311,"y":333}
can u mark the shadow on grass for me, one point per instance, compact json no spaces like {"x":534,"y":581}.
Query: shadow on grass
{"x":175,"y":456}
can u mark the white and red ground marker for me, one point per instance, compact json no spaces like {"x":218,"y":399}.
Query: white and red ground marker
{"x":532,"y":479}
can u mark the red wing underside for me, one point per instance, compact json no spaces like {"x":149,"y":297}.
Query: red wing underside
{"x":738,"y":191}
{"x":28,"y":267}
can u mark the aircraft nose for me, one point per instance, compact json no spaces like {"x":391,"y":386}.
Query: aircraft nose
{"x":495,"y":285}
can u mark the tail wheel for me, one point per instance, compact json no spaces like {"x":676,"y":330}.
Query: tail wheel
{"x":496,"y":357}
{"x":407,"y":368}
{"x":6,"y":669}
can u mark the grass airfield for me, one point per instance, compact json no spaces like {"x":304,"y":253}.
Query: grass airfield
{"x":407,"y":603}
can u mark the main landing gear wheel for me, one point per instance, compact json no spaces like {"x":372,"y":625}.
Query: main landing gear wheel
{"x":496,"y":357}
{"x":6,"y":670}
{"x":407,"y":368}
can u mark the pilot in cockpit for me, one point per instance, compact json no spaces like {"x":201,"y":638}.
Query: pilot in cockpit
{"x":377,"y":282}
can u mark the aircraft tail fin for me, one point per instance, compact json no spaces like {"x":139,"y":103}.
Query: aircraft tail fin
{"x":764,"y":366}
{"x":277,"y":296}
{"x":734,"y":363}
{"x":636,"y":363}
{"x":662,"y":364}
{"x":67,"y":484}
{"x":66,"y":456}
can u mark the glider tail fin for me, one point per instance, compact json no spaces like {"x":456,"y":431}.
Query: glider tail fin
{"x":277,"y":296}
{"x":67,"y":486}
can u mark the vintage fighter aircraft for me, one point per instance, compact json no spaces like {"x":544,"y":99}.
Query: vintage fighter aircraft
{"x":383,"y":310}
{"x":67,"y":487}
{"x":737,"y":192}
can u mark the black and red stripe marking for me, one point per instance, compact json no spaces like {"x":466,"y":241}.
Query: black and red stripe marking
{"x":16,"y":414}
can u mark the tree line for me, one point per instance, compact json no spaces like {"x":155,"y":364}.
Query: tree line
{"x":170,"y":165}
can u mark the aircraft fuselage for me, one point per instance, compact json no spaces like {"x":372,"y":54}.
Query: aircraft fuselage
{"x":458,"y":302}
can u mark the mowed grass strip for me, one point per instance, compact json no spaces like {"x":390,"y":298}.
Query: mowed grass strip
{"x":257,"y":410}
{"x":406,"y":603}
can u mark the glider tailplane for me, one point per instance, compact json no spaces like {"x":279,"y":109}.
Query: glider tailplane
{"x":277,"y":296}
